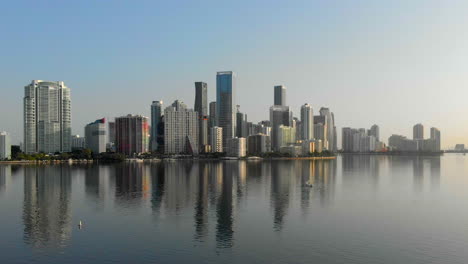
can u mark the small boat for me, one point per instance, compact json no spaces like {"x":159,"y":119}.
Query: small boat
{"x":80,"y":225}
{"x":308,"y":184}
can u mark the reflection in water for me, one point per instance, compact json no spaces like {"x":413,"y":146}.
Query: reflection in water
{"x":46,"y":207}
{"x":420,"y":171}
{"x":173,"y":189}
{"x":5,"y":175}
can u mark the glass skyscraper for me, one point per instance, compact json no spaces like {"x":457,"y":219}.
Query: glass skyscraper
{"x":225,"y":104}
{"x":47,"y":117}
{"x":156,"y":118}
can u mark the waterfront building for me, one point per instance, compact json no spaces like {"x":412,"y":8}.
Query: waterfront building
{"x":201,"y":107}
{"x":258,"y":144}
{"x":5,"y":146}
{"x":216,"y":139}
{"x":225,"y":104}
{"x":286,"y":136}
{"x":132,"y":134}
{"x":47,"y":117}
{"x":460,"y":147}
{"x":308,"y":146}
{"x":280,"y":95}
{"x":279,"y":116}
{"x":236,"y":147}
{"x":307,"y":122}
{"x":180,"y":129}
{"x":95,"y":136}
{"x":292,"y":150}
{"x":156,"y":118}
{"x":329,"y":125}
{"x":401,"y":143}
{"x":435,"y":136}
{"x":358,"y":140}
{"x":375,"y":132}
{"x":418,"y":131}
{"x":77,"y":142}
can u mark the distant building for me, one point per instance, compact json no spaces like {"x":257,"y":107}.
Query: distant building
{"x":47,"y":117}
{"x":132,"y":134}
{"x":279,"y":116}
{"x":236,"y":147}
{"x":460,"y":147}
{"x":329,"y":125}
{"x":180,"y":129}
{"x":78,"y":142}
{"x":418,"y":131}
{"x":216,"y":140}
{"x":435,"y":136}
{"x":241,"y":124}
{"x":308,"y":146}
{"x":201,"y":107}
{"x":95,"y":136}
{"x":258,"y":144}
{"x":286,"y":136}
{"x":358,"y":140}
{"x":111,"y":138}
{"x":156,"y":118}
{"x":280,"y":95}
{"x":401,"y":143}
{"x":5,"y":146}
{"x":375,"y":132}
{"x":307,"y":122}
{"x":225,"y":104}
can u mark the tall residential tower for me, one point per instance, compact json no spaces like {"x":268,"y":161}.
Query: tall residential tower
{"x":226,"y":105}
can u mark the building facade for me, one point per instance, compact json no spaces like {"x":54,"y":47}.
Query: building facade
{"x":47,"y":117}
{"x":307,"y":122}
{"x":279,"y":116}
{"x":156,"y":118}
{"x":236,"y":147}
{"x":5,"y":146}
{"x":216,"y":139}
{"x":95,"y":136}
{"x":225,"y":104}
{"x":132,"y":134}
{"x":258,"y":144}
{"x":280,"y":95}
{"x":77,"y":142}
{"x":418,"y":131}
{"x":180,"y":129}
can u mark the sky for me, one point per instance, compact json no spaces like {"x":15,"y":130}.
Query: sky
{"x":392,"y":63}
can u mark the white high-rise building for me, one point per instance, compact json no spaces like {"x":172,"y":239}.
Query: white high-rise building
{"x":47,"y":117}
{"x":5,"y":146}
{"x":307,"y":121}
{"x":216,"y":140}
{"x":95,"y":136}
{"x":180,"y":129}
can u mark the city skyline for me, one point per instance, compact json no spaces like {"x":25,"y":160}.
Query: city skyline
{"x":380,"y":82}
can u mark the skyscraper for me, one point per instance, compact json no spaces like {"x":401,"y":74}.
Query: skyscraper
{"x":212,"y":118}
{"x":180,"y":129}
{"x":279,"y":115}
{"x":435,"y":136}
{"x":156,"y":116}
{"x":132,"y":134}
{"x":216,"y":139}
{"x":330,"y":127}
{"x":307,"y":122}
{"x":5,"y":146}
{"x":201,"y":98}
{"x":418,"y":131}
{"x":47,"y":117}
{"x":280,"y":95}
{"x":225,"y":104}
{"x":375,"y":131}
{"x":95,"y":136}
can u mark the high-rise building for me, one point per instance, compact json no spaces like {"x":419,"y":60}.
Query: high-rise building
{"x":95,"y":136}
{"x":280,"y":95}
{"x":375,"y":131}
{"x":180,"y":129}
{"x":279,"y":115}
{"x":286,"y":136}
{"x":258,"y":144}
{"x":435,"y":137}
{"x":201,"y":98}
{"x":156,"y":118}
{"x":212,"y":117}
{"x":216,"y":139}
{"x":77,"y":142}
{"x":418,"y":131}
{"x":111,"y":132}
{"x":132,"y":134}
{"x":321,"y":130}
{"x":47,"y":117}
{"x":236,"y":147}
{"x":330,"y":129}
{"x":5,"y":146}
{"x":225,"y":104}
{"x":307,"y":122}
{"x":241,"y":124}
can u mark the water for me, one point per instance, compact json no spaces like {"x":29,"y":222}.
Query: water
{"x":361,"y":209}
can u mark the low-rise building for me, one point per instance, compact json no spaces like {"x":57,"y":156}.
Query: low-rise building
{"x":236,"y":147}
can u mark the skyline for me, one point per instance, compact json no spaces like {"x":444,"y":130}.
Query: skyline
{"x":368,"y":73}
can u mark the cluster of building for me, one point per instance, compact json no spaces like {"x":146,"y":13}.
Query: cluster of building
{"x":218,"y":126}
{"x":418,"y":143}
{"x":362,"y":140}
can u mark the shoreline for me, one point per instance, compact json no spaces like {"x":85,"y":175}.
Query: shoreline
{"x":72,"y":162}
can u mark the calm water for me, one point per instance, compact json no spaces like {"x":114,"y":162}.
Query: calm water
{"x":361,"y":209}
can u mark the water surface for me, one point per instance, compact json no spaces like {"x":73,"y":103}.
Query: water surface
{"x":361,"y":209}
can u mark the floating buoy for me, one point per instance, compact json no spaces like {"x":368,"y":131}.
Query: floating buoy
{"x":80,"y":225}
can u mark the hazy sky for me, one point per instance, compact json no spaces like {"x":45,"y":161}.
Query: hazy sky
{"x":393,"y":63}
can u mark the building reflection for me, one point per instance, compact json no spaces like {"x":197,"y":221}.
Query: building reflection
{"x":201,"y":206}
{"x":46,"y":207}
{"x":224,"y":207}
{"x":5,"y":177}
{"x":282,"y":173}
{"x":132,"y":183}
{"x":420,"y":174}
{"x":356,"y":166}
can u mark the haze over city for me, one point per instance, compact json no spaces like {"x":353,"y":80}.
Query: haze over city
{"x":394,"y":64}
